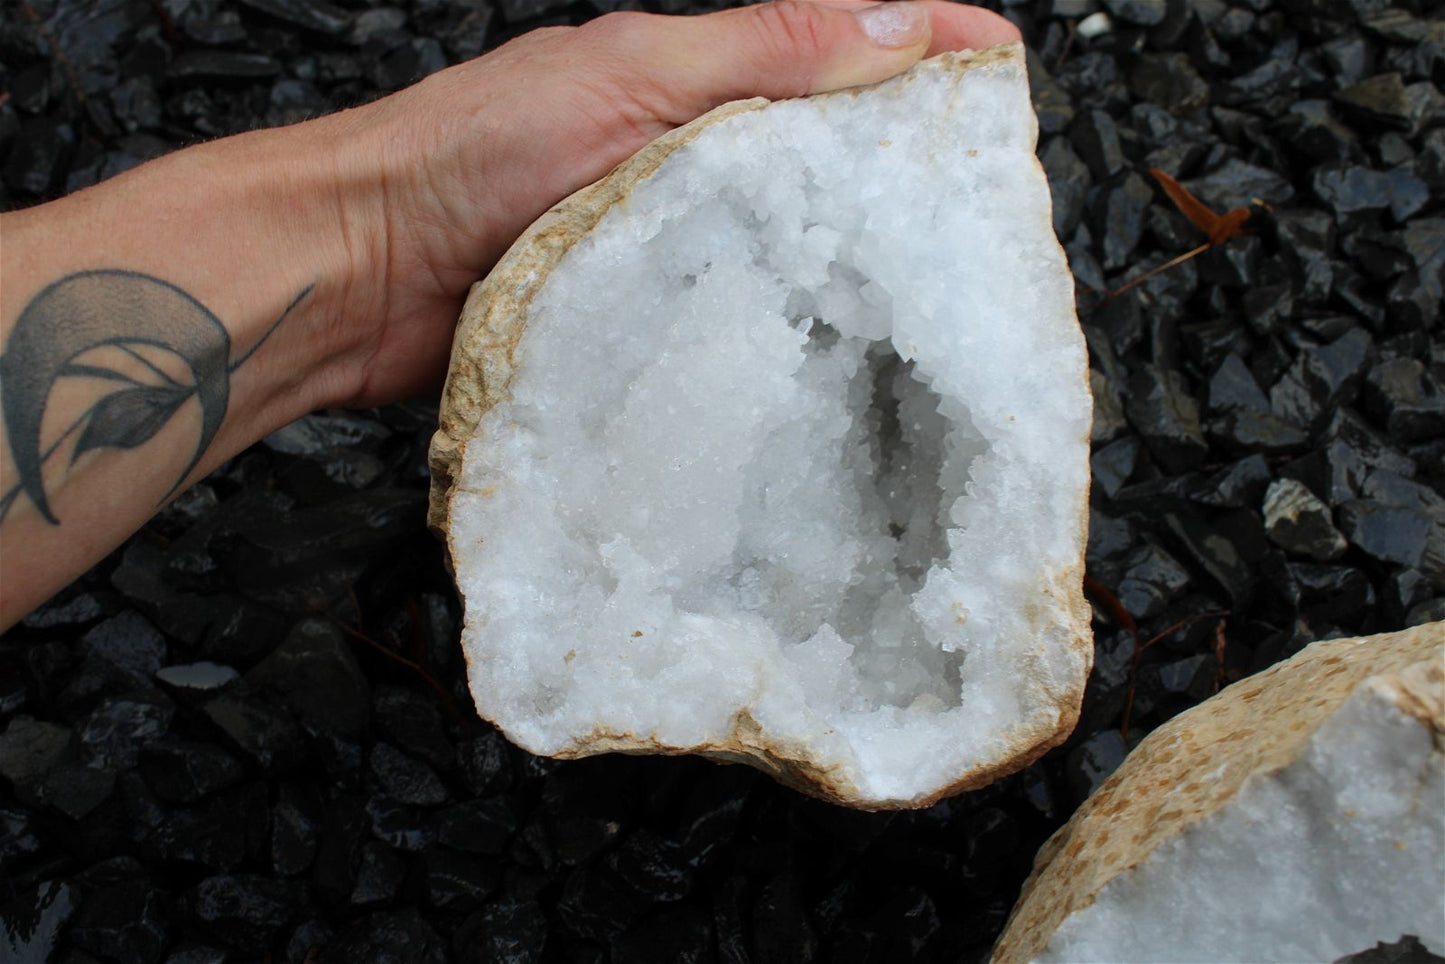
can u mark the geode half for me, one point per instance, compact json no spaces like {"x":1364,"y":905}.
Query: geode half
{"x":1298,"y":815}
{"x":773,"y":446}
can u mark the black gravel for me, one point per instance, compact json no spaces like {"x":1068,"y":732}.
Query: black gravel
{"x":246,"y":734}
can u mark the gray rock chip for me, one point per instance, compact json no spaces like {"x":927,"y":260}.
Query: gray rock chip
{"x":1298,"y":522}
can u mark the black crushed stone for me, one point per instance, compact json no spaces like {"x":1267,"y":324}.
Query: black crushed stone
{"x":247,"y":734}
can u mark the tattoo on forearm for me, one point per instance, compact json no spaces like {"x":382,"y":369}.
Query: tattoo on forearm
{"x":119,"y":327}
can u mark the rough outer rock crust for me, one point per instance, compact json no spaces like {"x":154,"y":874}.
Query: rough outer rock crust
{"x":491,"y":325}
{"x":1259,"y":725}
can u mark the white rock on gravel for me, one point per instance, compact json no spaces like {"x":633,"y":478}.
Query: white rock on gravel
{"x":774,"y":446}
{"x":1299,"y":815}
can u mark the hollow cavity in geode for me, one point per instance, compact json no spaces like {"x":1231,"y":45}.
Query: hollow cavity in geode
{"x":773,"y":446}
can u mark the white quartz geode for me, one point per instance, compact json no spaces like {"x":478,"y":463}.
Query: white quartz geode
{"x":773,"y":446}
{"x":1298,"y":815}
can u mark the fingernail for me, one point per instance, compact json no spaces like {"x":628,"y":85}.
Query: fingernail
{"x":896,"y":24}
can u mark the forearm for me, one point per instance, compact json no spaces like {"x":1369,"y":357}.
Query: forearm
{"x":136,"y":362}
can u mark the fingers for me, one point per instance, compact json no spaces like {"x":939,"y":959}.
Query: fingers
{"x":789,"y":49}
{"x":792,"y":48}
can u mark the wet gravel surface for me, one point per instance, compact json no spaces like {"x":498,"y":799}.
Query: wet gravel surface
{"x":246,"y":735}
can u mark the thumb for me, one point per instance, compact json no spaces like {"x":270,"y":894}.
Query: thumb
{"x":792,"y":48}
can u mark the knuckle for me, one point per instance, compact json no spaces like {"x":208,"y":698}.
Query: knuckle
{"x":793,"y":30}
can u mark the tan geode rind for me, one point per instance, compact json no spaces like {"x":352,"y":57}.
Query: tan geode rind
{"x":483,"y":363}
{"x":1259,"y":725}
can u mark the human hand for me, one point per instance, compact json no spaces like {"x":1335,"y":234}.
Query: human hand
{"x":452,"y":170}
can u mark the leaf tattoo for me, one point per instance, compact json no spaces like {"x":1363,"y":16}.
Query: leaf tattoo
{"x":127,"y":311}
{"x":129,"y":417}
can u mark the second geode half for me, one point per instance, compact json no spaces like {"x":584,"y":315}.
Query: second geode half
{"x":773,"y":446}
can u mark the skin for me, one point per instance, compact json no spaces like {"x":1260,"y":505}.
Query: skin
{"x":157,"y":324}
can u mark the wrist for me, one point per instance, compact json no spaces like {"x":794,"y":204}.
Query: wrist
{"x":412,"y":191}
{"x":308,"y":232}
{"x":280,"y":234}
{"x":336,"y":179}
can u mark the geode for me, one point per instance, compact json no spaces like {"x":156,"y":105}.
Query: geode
{"x":773,"y":446}
{"x":1299,"y":815}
